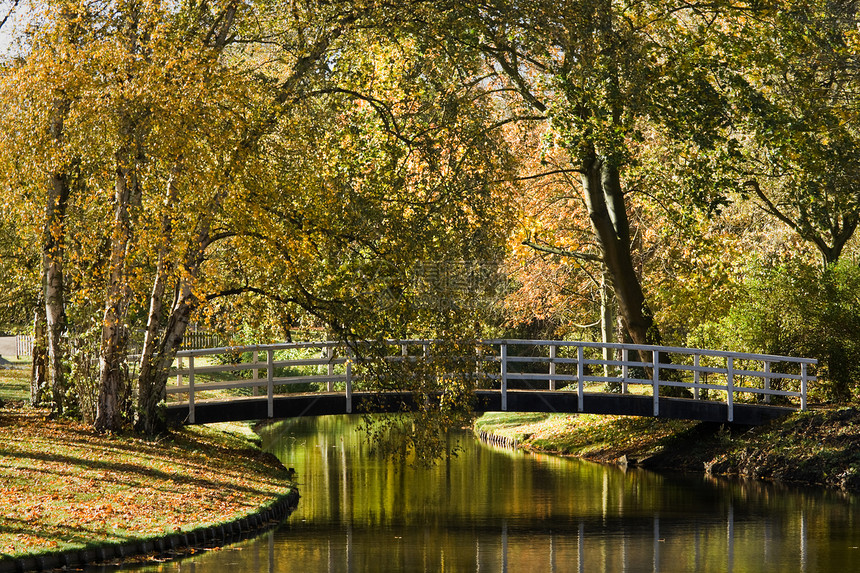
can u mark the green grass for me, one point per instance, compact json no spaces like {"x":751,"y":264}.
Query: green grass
{"x":64,"y":487}
{"x":813,"y":447}
{"x":585,"y":435}
{"x":15,"y":380}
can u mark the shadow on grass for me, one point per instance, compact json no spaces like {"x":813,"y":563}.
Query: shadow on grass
{"x":149,"y":473}
{"x":80,"y":536}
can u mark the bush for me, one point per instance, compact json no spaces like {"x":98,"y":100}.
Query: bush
{"x":798,"y":310}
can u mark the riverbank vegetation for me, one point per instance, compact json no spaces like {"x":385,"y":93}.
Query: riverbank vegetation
{"x":676,"y":172}
{"x":66,"y":487}
{"x":819,"y":447}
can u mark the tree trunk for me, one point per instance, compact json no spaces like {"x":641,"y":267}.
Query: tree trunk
{"x":53,"y":251}
{"x":151,"y":382}
{"x":606,"y":210}
{"x":39,"y":387}
{"x":114,"y":342}
{"x":155,"y":364}
{"x":601,"y":183}
{"x":158,"y":356}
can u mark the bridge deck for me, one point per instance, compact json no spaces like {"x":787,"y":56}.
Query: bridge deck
{"x":322,"y":404}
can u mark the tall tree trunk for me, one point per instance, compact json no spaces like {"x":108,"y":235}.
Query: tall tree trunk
{"x":606,"y":210}
{"x":605,"y":201}
{"x":158,"y":355}
{"x":114,"y":342}
{"x":53,"y":252}
{"x":151,"y":384}
{"x":155,"y":368}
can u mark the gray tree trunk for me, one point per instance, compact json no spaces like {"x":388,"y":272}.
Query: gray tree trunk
{"x":605,"y":202}
{"x":39,"y":387}
{"x":156,"y":362}
{"x":157,"y":355}
{"x":53,"y":253}
{"x":114,"y":341}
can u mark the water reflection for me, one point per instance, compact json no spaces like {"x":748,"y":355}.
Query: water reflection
{"x":496,"y":510}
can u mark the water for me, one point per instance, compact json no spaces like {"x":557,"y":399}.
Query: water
{"x":496,"y":510}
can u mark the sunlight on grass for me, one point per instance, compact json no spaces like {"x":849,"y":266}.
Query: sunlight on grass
{"x":64,"y":486}
{"x":587,"y":435}
{"x":15,"y":379}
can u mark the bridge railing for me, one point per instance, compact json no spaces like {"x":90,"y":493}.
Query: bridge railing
{"x":504,"y":365}
{"x":705,"y":374}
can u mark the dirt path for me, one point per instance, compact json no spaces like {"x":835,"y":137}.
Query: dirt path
{"x":7,"y":347}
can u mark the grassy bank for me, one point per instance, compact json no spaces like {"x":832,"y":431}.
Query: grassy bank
{"x":820,"y":447}
{"x":63,"y":487}
{"x":14,"y":379}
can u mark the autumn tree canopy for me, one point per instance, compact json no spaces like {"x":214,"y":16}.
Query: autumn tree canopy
{"x":335,"y":163}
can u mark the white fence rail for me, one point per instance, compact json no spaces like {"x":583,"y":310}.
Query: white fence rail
{"x":192,"y":339}
{"x":23,"y":345}
{"x":504,"y":365}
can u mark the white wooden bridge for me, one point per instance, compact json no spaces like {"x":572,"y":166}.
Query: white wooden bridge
{"x":320,"y":378}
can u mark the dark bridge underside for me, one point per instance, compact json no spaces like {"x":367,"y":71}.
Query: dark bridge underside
{"x":321,"y":404}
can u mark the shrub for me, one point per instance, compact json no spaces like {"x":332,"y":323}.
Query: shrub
{"x":798,"y":310}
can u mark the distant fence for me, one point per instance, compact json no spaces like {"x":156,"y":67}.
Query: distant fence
{"x":23,"y":345}
{"x":196,"y":340}
{"x":191,"y":341}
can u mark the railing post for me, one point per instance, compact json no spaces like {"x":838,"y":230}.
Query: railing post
{"x":552,"y":353}
{"x":191,"y":389}
{"x":580,"y":378}
{"x":766,"y":383}
{"x":270,"y":382}
{"x":349,"y":383}
{"x":330,"y":355}
{"x":504,"y":372}
{"x":730,"y":386}
{"x":803,"y":379}
{"x":255,"y":373}
{"x":625,"y":369}
{"x":696,"y":376}
{"x":655,"y":380}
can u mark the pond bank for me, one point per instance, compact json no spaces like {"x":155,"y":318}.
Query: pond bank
{"x":816,"y":447}
{"x":72,"y":496}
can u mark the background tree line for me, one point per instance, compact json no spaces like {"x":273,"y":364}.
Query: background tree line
{"x":680,"y":172}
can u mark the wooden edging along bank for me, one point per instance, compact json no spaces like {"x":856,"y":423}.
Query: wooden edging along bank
{"x":173,"y":545}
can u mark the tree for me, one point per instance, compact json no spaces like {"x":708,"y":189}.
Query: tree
{"x":583,"y":66}
{"x":215,"y":151}
{"x":52,"y":175}
{"x":792,"y":82}
{"x":260,"y":96}
{"x":554,"y":259}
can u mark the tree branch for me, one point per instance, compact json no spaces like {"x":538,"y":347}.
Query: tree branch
{"x":9,"y":13}
{"x":562,"y":252}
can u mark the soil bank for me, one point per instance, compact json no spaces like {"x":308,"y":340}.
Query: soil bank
{"x":816,"y":447}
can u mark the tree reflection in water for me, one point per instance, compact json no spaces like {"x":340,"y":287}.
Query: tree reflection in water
{"x":498,"y":510}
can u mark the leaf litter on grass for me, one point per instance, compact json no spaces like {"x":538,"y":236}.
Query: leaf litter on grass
{"x":65,"y":486}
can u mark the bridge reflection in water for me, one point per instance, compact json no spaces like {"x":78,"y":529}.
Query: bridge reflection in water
{"x":556,"y":555}
{"x":499,"y":510}
{"x":321,"y":378}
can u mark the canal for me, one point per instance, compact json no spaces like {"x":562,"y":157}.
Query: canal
{"x":489,"y":509}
